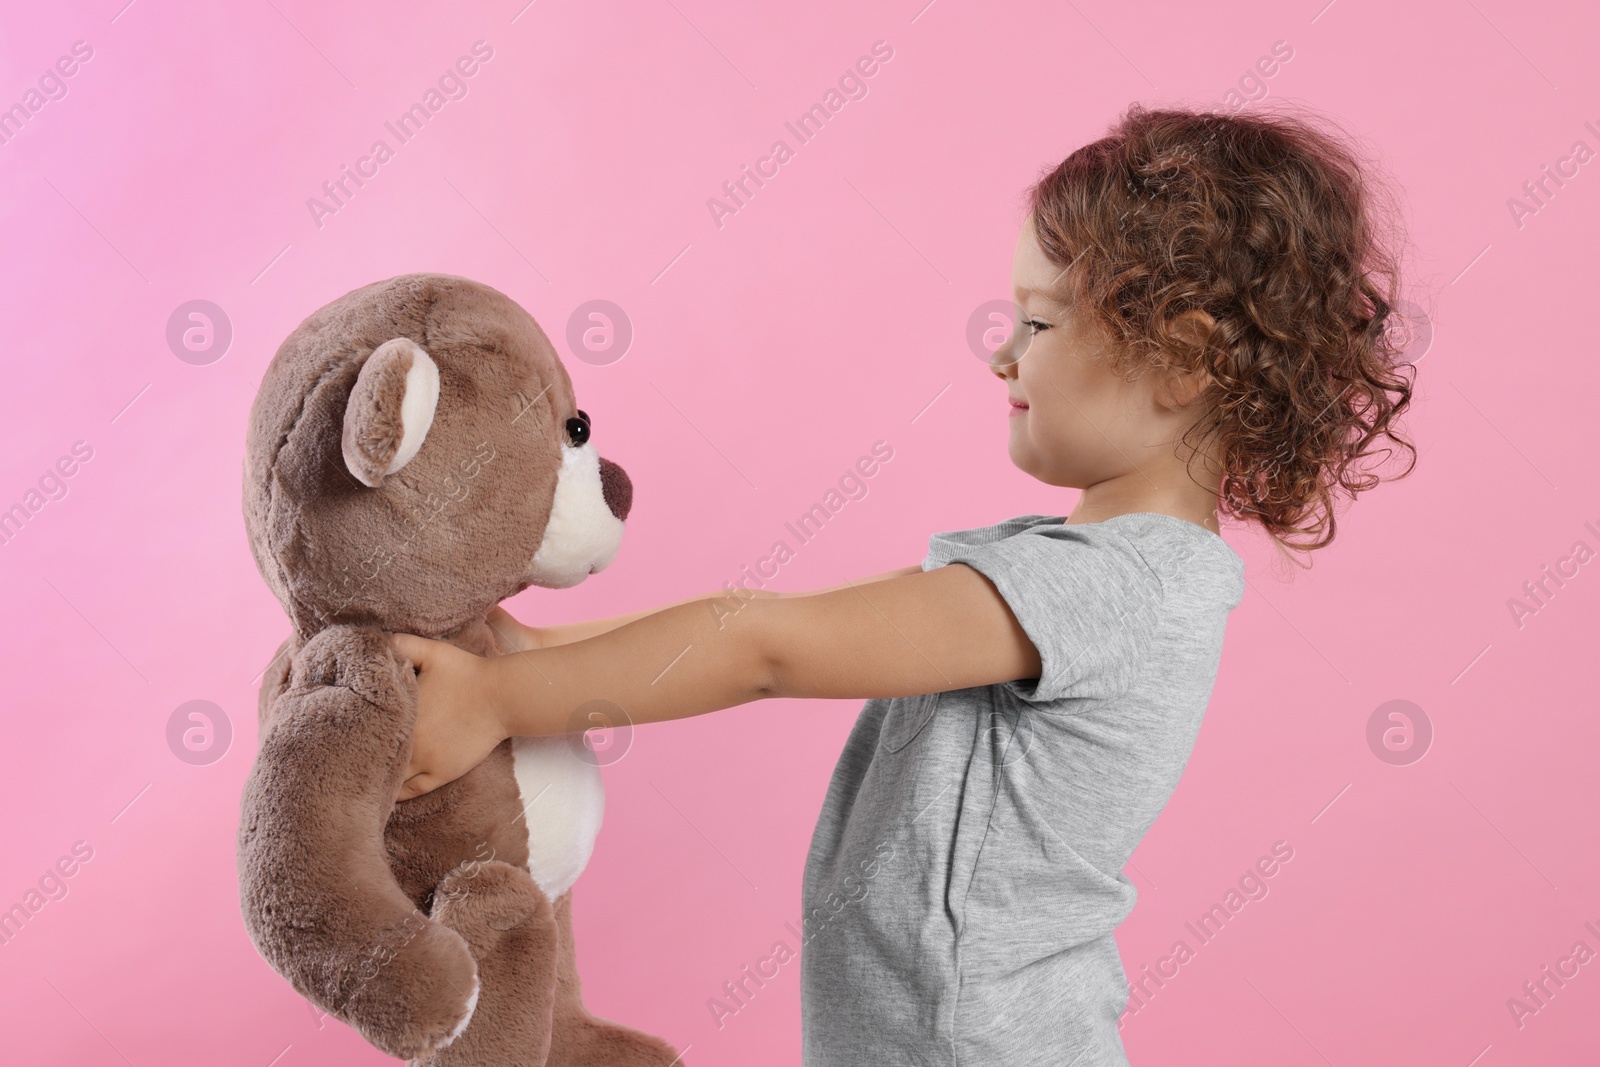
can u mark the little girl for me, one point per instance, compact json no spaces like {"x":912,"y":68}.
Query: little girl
{"x":1204,"y":313}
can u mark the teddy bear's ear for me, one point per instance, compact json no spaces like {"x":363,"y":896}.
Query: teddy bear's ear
{"x":390,"y":410}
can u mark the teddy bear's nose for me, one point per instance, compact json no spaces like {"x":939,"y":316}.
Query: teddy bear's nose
{"x":616,"y":487}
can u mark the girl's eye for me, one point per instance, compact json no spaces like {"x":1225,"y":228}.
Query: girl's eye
{"x":578,"y":429}
{"x":1035,"y":325}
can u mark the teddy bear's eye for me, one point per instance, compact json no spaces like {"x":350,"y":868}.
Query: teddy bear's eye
{"x":578,"y":429}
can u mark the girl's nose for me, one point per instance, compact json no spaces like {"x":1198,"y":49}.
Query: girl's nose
{"x":1004,"y":360}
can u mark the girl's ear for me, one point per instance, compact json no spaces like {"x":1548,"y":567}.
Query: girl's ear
{"x":1178,"y":389}
{"x":390,"y":410}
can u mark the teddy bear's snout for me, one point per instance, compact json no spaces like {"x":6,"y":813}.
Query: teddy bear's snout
{"x":585,"y":524}
{"x":616,"y":487}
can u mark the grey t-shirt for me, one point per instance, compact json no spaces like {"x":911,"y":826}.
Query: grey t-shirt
{"x":965,"y":874}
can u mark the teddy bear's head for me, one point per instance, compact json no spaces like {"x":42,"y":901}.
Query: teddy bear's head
{"x":415,"y":455}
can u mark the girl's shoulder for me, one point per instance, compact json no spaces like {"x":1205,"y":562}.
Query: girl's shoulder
{"x":983,"y":535}
{"x":1168,"y":546}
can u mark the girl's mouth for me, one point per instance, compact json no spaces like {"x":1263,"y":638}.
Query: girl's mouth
{"x":1018,"y":407}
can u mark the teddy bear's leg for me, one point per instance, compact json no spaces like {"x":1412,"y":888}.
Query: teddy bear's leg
{"x":583,"y":1040}
{"x":509,"y":924}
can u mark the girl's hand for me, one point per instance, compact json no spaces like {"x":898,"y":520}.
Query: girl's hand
{"x":457,"y":724}
{"x":510,"y":635}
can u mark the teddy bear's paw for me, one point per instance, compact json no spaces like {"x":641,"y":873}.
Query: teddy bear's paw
{"x":508,"y":922}
{"x":584,"y":1040}
{"x":419,"y":994}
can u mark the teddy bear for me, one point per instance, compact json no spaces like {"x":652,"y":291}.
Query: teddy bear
{"x":415,"y":454}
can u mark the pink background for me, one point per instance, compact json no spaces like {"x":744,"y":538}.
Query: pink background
{"x":768,"y":355}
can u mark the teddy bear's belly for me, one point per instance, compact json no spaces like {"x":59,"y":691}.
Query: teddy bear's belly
{"x":563,"y":800}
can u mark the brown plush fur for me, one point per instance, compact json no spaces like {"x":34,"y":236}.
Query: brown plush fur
{"x":391,"y":916}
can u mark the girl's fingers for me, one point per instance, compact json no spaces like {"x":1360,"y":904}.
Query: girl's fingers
{"x":411,"y":647}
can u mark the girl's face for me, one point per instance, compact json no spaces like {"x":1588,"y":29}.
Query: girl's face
{"x":1074,"y":422}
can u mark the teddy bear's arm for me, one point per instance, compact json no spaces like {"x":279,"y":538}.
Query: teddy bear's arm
{"x":318,"y":896}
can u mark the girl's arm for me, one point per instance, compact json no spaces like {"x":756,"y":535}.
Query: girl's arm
{"x":918,"y":632}
{"x":515,"y":637}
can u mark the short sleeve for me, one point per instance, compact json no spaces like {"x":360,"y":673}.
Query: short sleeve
{"x":1088,"y":601}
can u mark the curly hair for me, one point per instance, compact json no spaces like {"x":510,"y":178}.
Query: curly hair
{"x":1266,"y":223}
